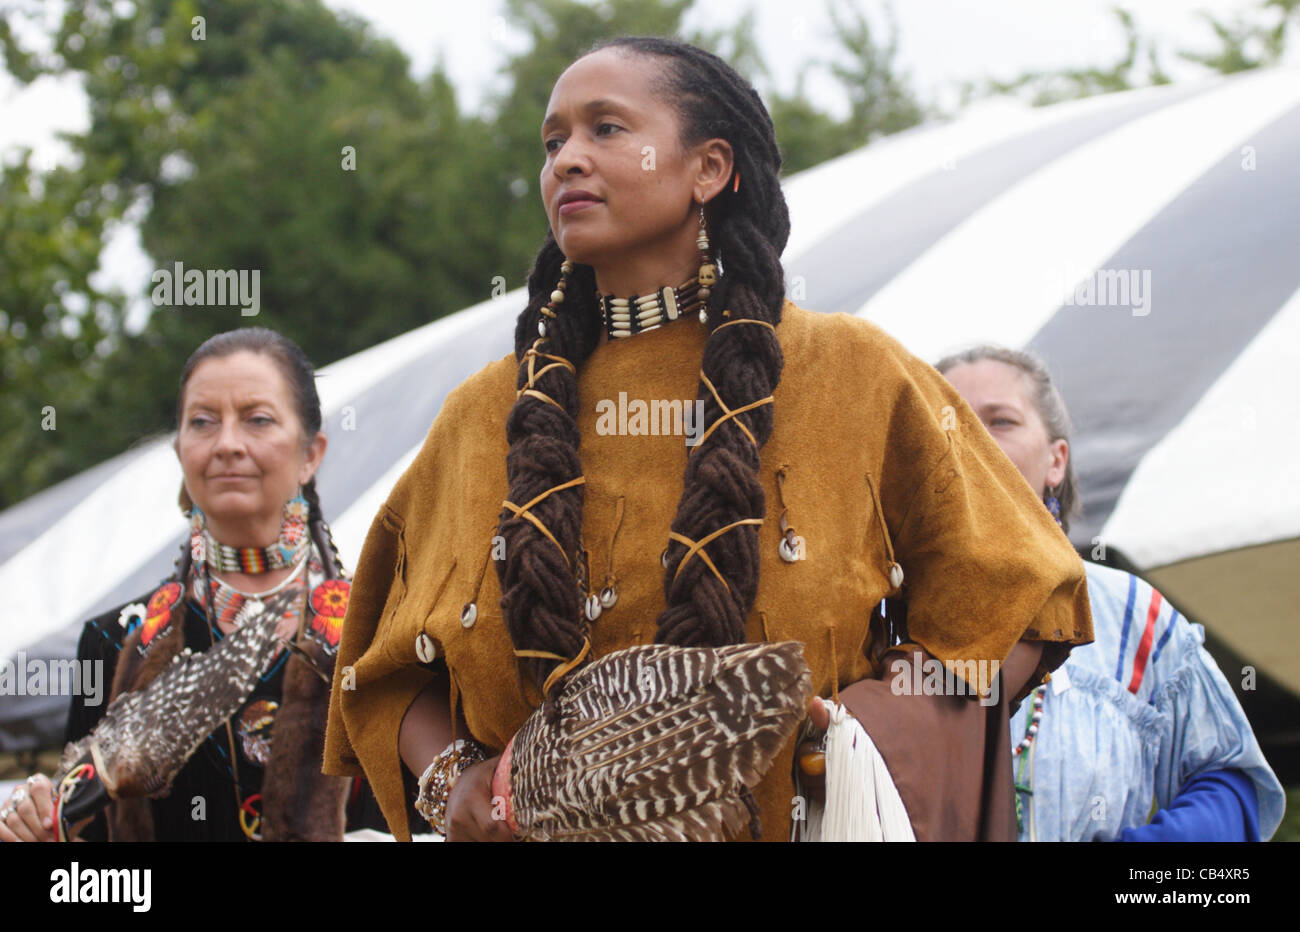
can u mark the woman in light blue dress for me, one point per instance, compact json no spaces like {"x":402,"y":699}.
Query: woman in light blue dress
{"x":1140,"y":718}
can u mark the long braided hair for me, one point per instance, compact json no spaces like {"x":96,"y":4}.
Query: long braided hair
{"x":301,"y":378}
{"x":748,"y":229}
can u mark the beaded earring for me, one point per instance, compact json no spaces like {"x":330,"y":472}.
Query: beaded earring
{"x":1053,"y":505}
{"x":557,"y":297}
{"x":708,"y":274}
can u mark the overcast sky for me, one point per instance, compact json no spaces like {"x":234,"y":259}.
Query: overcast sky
{"x":942,"y":42}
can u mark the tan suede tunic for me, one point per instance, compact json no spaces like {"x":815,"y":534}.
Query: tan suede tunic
{"x":984,"y":563}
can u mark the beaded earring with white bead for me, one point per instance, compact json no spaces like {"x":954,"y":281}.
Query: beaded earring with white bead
{"x":557,"y":298}
{"x":708,"y":274}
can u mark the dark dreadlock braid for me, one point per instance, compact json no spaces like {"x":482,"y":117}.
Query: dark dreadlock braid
{"x":539,"y":598}
{"x":748,"y":230}
{"x":300,"y":376}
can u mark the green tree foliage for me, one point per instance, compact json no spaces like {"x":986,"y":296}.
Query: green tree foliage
{"x":53,"y":320}
{"x":881,"y":100}
{"x":230,"y":133}
{"x":807,"y":135}
{"x":1248,"y":41}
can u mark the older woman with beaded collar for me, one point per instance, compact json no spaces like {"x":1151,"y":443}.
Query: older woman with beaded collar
{"x":536,"y":532}
{"x":249,"y":442}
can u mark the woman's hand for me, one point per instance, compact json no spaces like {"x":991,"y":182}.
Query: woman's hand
{"x":29,"y":811}
{"x":471,"y":815}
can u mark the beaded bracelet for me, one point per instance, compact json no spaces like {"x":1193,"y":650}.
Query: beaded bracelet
{"x":436,"y":782}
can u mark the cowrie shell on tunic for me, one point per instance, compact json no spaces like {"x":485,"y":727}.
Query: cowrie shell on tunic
{"x":895,"y":575}
{"x":593,"y":607}
{"x":425,"y":649}
{"x":468,"y":615}
{"x":608,"y":596}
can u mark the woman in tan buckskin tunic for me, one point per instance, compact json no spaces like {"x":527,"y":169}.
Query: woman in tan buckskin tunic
{"x":559,"y":511}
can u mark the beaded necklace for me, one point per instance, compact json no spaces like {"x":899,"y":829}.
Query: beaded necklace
{"x":627,"y":316}
{"x":244,"y":606}
{"x":221,"y":602}
{"x":1021,"y":754}
{"x":231,"y":606}
{"x":287,"y":551}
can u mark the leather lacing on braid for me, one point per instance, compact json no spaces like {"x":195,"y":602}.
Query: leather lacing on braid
{"x":565,"y":664}
{"x":748,"y":229}
{"x":539,"y":599}
{"x":722,"y":504}
{"x":694,"y":548}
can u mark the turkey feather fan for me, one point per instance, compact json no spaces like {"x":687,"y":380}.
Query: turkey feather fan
{"x":146,"y":736}
{"x":657,"y":743}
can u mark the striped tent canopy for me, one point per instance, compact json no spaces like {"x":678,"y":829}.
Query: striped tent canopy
{"x":1146,"y":244}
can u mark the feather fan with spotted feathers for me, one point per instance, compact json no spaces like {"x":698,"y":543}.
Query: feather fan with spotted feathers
{"x":658,"y":743}
{"x":146,"y":736}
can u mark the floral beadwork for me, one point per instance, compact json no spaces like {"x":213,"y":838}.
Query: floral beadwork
{"x":158,"y":612}
{"x":329,"y":602}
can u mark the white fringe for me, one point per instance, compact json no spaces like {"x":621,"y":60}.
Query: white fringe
{"x":862,"y":803}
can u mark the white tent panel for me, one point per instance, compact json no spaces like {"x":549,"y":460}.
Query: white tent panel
{"x":352,"y":526}
{"x":58,"y":576}
{"x":825,"y":197}
{"x":1228,"y":476}
{"x":348,"y":379}
{"x":999,"y":275}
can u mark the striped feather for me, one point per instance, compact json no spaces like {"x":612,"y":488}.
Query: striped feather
{"x":146,"y":736}
{"x":658,"y":743}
